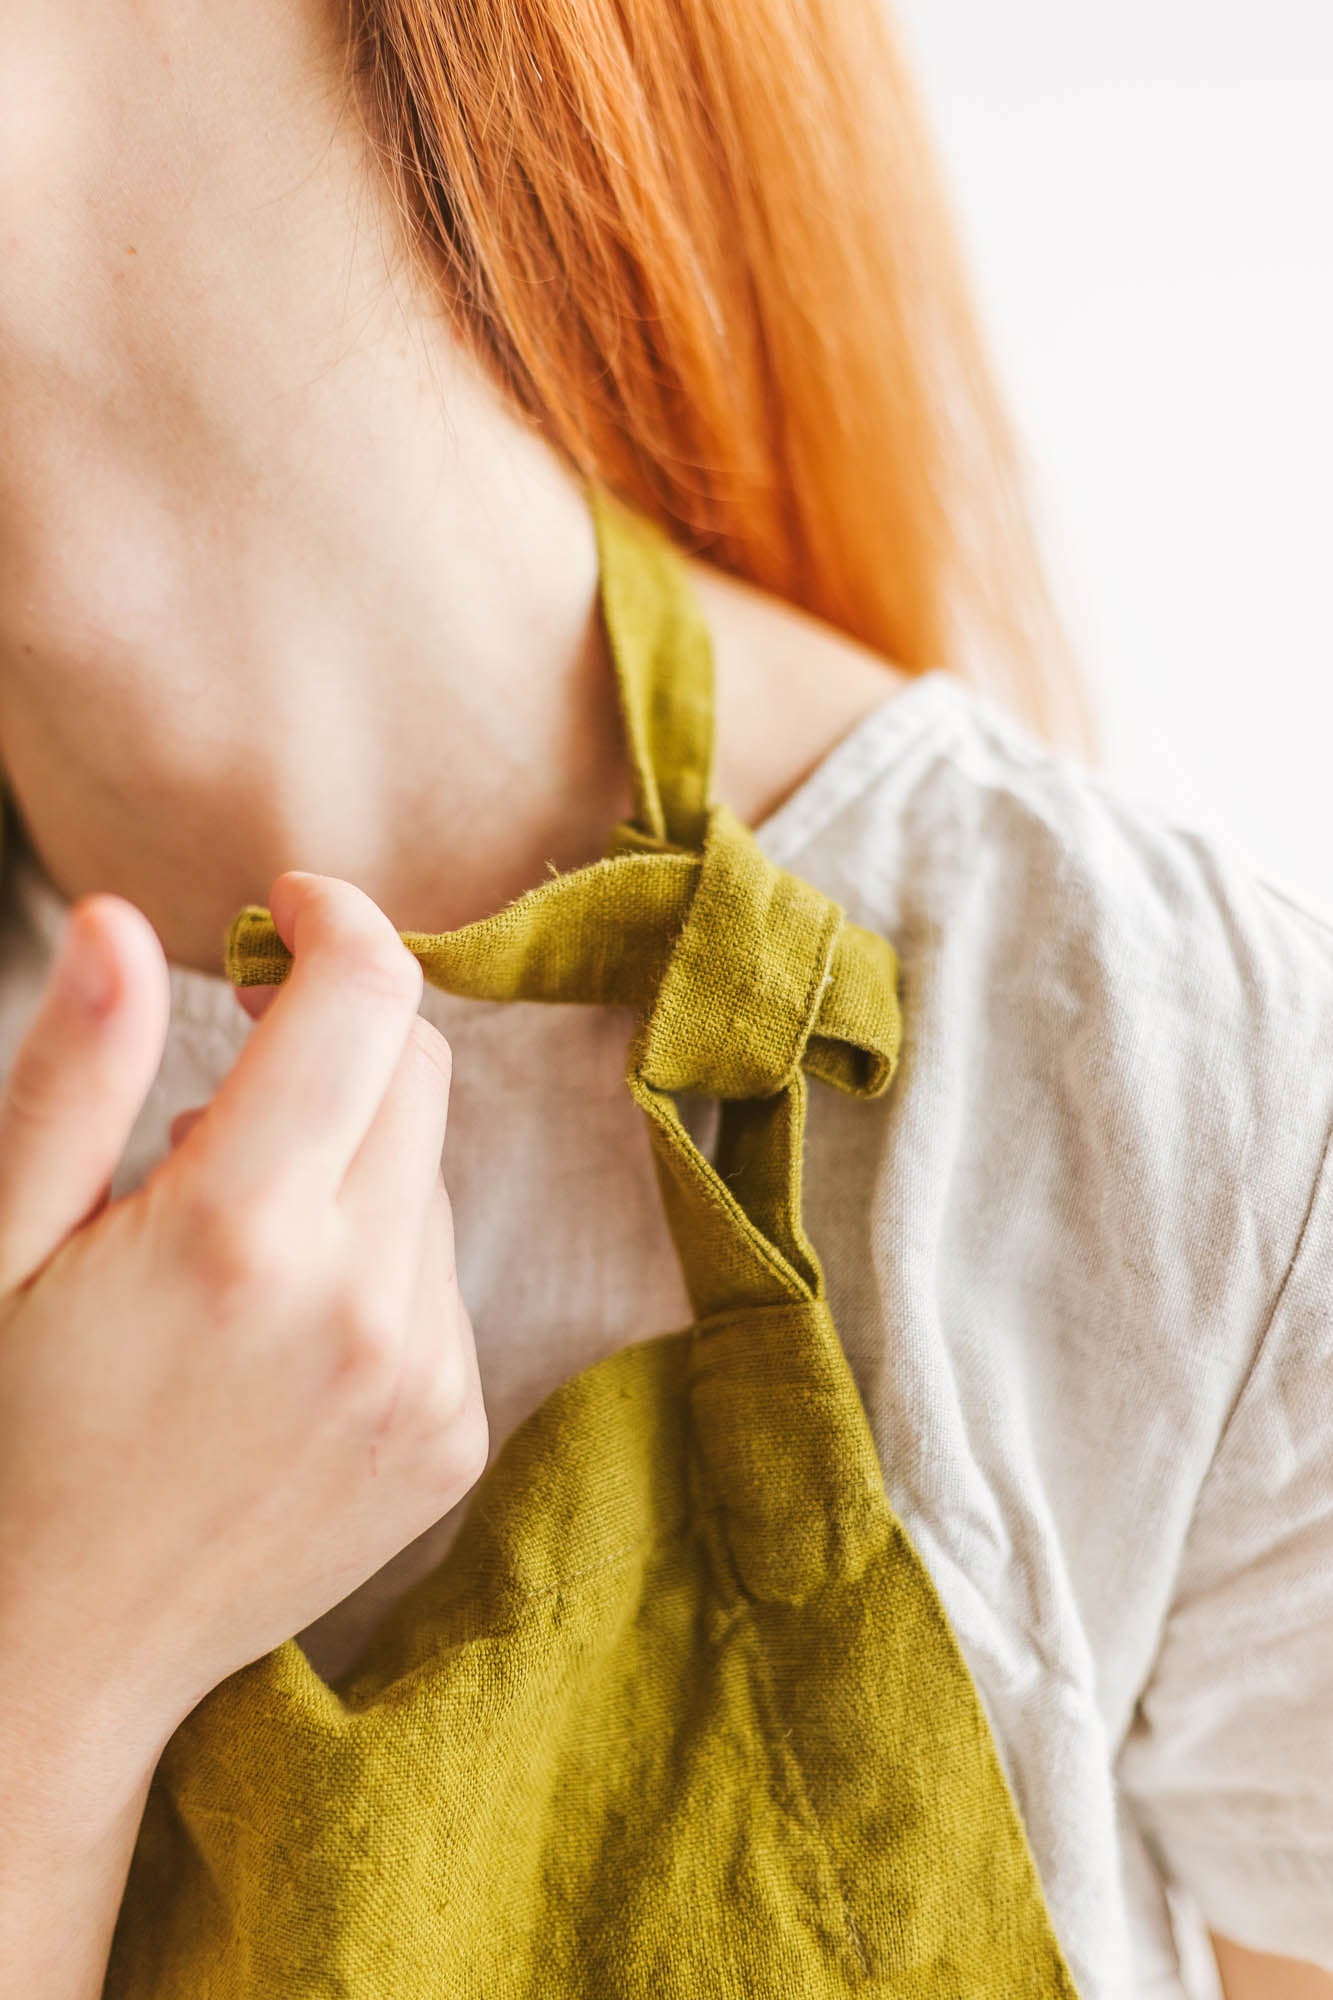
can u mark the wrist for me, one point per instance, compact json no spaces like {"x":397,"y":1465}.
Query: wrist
{"x":75,"y":1758}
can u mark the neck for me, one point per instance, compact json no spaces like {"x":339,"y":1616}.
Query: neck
{"x":283,"y":582}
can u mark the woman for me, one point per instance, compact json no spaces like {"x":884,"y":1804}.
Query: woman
{"x":315,"y":333}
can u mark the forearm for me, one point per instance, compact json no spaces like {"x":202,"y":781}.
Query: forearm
{"x":72,"y":1793}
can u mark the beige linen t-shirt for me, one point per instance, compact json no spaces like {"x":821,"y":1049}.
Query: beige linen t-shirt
{"x":1081,"y":1258}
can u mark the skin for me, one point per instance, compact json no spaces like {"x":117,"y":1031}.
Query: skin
{"x":284,"y":586}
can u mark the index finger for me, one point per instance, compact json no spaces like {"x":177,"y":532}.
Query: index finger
{"x":293,"y":1111}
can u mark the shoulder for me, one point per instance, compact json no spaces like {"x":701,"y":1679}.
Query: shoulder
{"x":1116,"y":1086}
{"x":1068,"y":908}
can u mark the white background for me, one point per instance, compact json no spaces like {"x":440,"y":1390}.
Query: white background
{"x":1146,"y":194}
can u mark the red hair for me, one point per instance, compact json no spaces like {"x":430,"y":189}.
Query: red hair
{"x":707,"y":248}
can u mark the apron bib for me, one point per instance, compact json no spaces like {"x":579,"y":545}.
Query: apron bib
{"x":680,"y":1714}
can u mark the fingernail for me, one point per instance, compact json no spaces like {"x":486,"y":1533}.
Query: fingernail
{"x":255,"y":1000}
{"x":83,"y":971}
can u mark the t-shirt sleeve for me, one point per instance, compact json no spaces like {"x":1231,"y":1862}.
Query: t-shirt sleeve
{"x":1228,"y":1767}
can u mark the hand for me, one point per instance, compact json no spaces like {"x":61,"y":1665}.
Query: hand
{"x":230,"y":1397}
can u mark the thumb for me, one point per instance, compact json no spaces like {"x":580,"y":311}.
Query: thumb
{"x":79,"y":1079}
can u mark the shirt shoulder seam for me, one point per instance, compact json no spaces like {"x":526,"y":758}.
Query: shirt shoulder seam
{"x":1267,"y":1332}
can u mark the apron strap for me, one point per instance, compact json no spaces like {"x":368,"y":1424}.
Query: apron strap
{"x":663,"y":659}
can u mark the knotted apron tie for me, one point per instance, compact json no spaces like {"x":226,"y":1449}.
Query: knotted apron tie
{"x":680,"y":1715}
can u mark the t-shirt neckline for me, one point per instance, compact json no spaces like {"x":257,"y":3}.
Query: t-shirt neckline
{"x":859,"y":757}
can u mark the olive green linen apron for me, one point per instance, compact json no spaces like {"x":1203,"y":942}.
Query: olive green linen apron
{"x":680,"y":1714}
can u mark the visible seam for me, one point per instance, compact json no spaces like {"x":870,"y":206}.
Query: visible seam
{"x":1243,"y":1387}
{"x":867,"y":752}
{"x":1324,"y":1168}
{"x":821,"y":978}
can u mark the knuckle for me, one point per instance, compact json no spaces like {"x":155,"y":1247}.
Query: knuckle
{"x":471,"y":1447}
{"x":233,"y":1246}
{"x":33,"y":1090}
{"x":460,"y":1449}
{"x":429,"y":1048}
{"x":379,"y":971}
{"x":368,"y":1340}
{"x":450,"y":1400}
